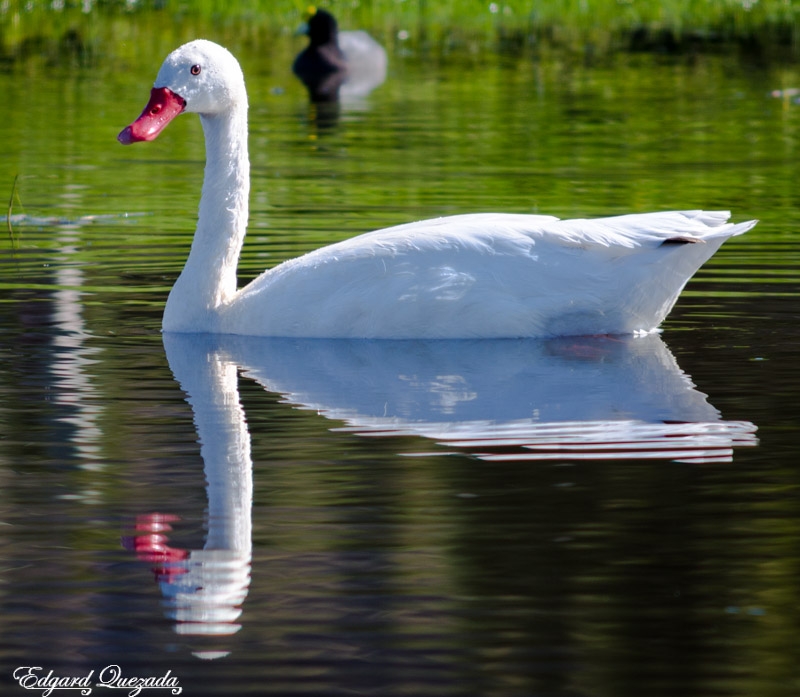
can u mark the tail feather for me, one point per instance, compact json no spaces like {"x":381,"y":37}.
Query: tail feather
{"x":732,"y":229}
{"x":717,"y":224}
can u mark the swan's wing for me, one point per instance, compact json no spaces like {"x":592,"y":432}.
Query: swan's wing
{"x":517,"y":233}
{"x":486,"y":275}
{"x":649,"y":229}
{"x":484,"y":233}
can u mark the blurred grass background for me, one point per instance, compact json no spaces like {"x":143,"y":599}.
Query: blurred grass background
{"x":92,"y":31}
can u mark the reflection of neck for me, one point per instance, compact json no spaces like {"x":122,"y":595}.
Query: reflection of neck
{"x":225,"y":448}
{"x":207,"y":598}
{"x":208,"y":279}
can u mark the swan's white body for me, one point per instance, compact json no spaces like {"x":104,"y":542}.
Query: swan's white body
{"x":478,"y":275}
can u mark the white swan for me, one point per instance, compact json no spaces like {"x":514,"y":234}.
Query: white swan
{"x":479,"y":275}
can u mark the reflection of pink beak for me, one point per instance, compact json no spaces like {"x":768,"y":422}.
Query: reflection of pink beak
{"x":151,"y":545}
{"x":164,"y":105}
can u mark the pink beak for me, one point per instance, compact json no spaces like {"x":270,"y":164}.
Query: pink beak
{"x":164,"y":105}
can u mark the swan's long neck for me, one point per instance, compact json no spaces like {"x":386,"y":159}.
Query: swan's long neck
{"x":208,"y":280}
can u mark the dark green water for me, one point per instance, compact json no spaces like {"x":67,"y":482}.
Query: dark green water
{"x":508,"y":518}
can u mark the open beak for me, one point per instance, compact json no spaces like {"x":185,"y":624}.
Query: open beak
{"x":164,"y":105}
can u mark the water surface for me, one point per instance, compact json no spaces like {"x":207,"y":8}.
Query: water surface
{"x":571,"y":517}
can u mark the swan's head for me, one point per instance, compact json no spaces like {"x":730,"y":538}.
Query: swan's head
{"x":200,"y":77}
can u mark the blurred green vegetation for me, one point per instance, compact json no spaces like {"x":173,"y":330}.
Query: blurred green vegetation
{"x":100,"y":30}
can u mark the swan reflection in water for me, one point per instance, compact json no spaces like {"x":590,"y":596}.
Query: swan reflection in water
{"x":204,"y":588}
{"x":560,"y":399}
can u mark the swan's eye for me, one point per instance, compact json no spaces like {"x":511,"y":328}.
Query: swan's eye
{"x":196,"y":69}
